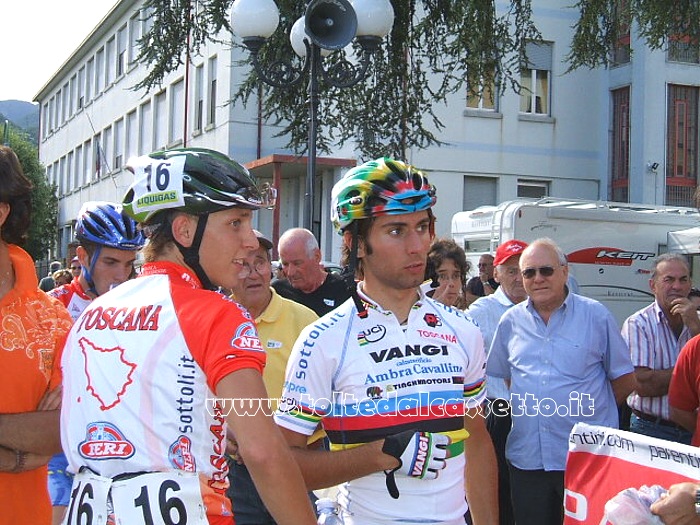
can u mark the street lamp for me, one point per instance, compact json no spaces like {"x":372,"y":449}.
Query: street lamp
{"x":327,"y":26}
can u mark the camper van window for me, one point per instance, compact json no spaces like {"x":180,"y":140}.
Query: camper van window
{"x":478,"y":246}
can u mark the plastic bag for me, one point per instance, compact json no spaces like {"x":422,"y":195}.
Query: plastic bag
{"x":631,"y":507}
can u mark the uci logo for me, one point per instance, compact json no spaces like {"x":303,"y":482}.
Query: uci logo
{"x":371,"y":335}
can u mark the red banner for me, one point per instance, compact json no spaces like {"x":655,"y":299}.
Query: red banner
{"x":605,"y":461}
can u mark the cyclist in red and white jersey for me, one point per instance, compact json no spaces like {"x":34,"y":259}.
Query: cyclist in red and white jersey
{"x":156,"y":368}
{"x":395,"y":378}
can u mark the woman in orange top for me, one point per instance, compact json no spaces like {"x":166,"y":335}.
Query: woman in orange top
{"x":33,"y":327}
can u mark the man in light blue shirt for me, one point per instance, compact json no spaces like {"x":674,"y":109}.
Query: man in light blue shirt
{"x":487,"y":312}
{"x":566,"y":362}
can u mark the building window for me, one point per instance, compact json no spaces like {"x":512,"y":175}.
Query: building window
{"x":65,"y":104}
{"x":682,"y":147}
{"x":118,"y":144}
{"x":73,"y":98}
{"x":211,"y":118}
{"x":57,"y":113}
{"x":97,"y":160}
{"x":535,"y":76}
{"x":88,"y":164}
{"x":160,"y":119}
{"x":198,"y":97}
{"x":621,"y":47}
{"x":120,"y":66}
{"x":479,"y":191}
{"x":177,"y":112}
{"x":110,"y":61}
{"x":683,"y":49}
{"x":81,"y":88}
{"x":146,"y":129}
{"x":89,"y":76}
{"x":134,"y":35}
{"x":620,"y":158}
{"x":51,"y":114}
{"x":482,"y":92}
{"x":78,"y":168}
{"x":107,"y":150}
{"x":62,"y":178}
{"x":132,"y":134}
{"x":45,"y":120}
{"x":533,"y":189}
{"x":69,"y":172}
{"x":99,"y":71}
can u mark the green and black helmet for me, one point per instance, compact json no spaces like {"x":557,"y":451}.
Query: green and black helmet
{"x":194,"y":180}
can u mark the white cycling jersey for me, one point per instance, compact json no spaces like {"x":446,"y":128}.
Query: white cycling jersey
{"x":365,"y":379}
{"x":140,"y":367}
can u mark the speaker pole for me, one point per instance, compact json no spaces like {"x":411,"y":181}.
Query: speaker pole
{"x":328,"y":25}
{"x":310,"y":201}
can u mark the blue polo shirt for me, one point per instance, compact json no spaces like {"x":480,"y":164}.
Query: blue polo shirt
{"x":560,"y":374}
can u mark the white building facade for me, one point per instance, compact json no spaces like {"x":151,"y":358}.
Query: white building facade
{"x":628,"y":133}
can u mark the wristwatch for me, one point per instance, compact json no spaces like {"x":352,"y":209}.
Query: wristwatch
{"x":697,"y":502}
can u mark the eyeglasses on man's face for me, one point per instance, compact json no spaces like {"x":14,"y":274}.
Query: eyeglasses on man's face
{"x":259,"y":266}
{"x":544,"y":271}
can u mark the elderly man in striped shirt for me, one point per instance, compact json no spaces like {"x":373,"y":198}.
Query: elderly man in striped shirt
{"x":655,"y":335}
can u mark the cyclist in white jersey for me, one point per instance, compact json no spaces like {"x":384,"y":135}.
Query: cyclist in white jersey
{"x":155,"y":368}
{"x":395,"y":378}
{"x":109,"y":240}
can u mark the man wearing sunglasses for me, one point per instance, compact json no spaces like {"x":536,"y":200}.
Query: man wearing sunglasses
{"x":566,"y":363}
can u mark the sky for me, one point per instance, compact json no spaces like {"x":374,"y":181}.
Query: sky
{"x":38,"y":36}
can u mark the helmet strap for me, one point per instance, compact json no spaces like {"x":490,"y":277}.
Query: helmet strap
{"x":191,"y":254}
{"x":348,"y":273}
{"x":87,"y":272}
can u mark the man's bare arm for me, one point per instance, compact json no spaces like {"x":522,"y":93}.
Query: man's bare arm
{"x":652,"y":383}
{"x":623,"y":386}
{"x":481,"y":474}
{"x":35,"y":432}
{"x":684,"y":418}
{"x":265,"y":452}
{"x":322,"y":469}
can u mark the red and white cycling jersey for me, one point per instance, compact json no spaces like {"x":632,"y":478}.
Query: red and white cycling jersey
{"x":365,"y":379}
{"x":140,"y":367}
{"x":72,"y":296}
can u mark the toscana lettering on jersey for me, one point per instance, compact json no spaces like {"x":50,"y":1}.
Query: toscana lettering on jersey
{"x":124,"y":318}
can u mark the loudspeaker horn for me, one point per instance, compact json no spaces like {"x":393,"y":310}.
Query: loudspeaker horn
{"x":330,"y":24}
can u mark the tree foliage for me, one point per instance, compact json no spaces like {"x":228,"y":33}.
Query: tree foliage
{"x":425,"y":58}
{"x":603,"y":22}
{"x":434,"y":48}
{"x":44,"y":225}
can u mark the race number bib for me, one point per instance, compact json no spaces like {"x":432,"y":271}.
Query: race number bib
{"x":159,"y":498}
{"x":158,"y":183}
{"x":88,"y":500}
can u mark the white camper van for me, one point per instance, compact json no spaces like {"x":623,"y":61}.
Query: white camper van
{"x":610,"y":245}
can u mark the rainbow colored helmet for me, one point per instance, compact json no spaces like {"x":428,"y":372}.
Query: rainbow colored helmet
{"x":380,"y":187}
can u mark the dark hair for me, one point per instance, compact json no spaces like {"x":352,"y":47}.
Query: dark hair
{"x":447,"y":249}
{"x":15,"y":190}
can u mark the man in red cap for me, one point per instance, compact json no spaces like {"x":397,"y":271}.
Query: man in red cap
{"x":487,"y":311}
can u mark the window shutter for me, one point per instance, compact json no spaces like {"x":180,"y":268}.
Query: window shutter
{"x":538,"y":56}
